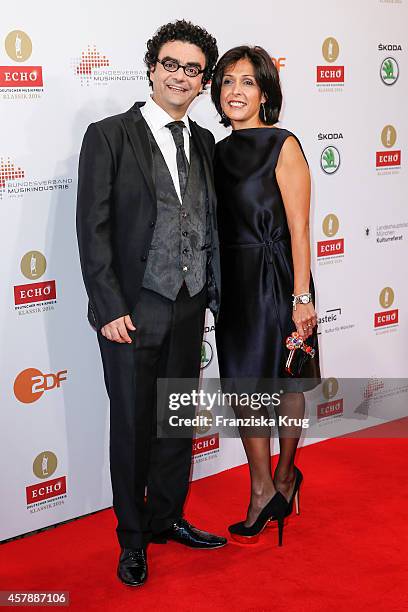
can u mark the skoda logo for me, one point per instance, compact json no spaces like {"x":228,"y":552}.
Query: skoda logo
{"x":206,"y":354}
{"x":389,"y":71}
{"x":330,"y":160}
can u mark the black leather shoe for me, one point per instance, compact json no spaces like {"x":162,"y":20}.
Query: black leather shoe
{"x":132,"y":568}
{"x":182,"y":532}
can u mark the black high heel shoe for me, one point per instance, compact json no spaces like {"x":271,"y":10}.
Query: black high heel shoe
{"x":276,"y":507}
{"x":294,"y":497}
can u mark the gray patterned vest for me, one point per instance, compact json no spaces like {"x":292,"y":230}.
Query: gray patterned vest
{"x":178,"y":249}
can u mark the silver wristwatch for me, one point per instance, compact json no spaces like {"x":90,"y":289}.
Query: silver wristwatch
{"x":302,"y":298}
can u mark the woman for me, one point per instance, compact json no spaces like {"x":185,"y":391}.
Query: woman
{"x":263,"y":189}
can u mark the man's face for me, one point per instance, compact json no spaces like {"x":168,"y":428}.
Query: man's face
{"x":174,"y":91}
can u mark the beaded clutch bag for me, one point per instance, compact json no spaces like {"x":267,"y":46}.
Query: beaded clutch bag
{"x":299,"y":354}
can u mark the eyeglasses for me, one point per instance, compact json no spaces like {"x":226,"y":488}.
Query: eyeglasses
{"x":173,"y":65}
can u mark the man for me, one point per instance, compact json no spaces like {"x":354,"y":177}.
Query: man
{"x":146,"y":223}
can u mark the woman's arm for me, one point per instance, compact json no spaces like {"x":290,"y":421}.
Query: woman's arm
{"x":292,"y":174}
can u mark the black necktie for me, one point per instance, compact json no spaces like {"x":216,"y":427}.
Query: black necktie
{"x":176,"y":129}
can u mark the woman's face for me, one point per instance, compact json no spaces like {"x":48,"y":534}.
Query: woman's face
{"x":241,"y":96}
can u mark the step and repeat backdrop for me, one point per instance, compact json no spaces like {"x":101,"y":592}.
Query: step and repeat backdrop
{"x":343,"y":68}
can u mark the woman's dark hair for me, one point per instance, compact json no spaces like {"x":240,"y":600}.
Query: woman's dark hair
{"x":184,"y":31}
{"x":266,"y":75}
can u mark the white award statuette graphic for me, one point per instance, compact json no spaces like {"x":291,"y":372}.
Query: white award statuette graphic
{"x":17,"y":44}
{"x":33,"y":265}
{"x":44,"y":465}
{"x":330,"y":50}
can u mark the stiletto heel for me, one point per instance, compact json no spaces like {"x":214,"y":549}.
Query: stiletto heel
{"x":295,"y":493}
{"x":280,"y":528}
{"x":277,"y":507}
{"x":297,"y":502}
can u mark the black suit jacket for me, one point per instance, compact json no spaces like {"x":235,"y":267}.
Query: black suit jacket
{"x":117,"y":210}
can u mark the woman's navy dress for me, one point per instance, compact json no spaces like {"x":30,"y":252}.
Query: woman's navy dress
{"x":256,"y":260}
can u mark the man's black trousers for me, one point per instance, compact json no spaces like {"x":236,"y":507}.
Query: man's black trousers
{"x":166,"y":344}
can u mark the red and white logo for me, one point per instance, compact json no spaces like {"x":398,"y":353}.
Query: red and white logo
{"x":35,"y":293}
{"x":19,"y":77}
{"x":388,"y":159}
{"x":205,"y":444}
{"x":330,"y":74}
{"x":386,"y":318}
{"x":9,"y":172}
{"x":91,"y":58}
{"x":391,"y":157}
{"x":325,"y":248}
{"x":95,"y":68}
{"x":333,"y":247}
{"x":46,"y":490}
{"x":33,"y":265}
{"x":330,"y":409}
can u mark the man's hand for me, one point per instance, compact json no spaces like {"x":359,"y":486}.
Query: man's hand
{"x":116,"y":330}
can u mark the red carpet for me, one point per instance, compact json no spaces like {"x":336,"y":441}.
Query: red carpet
{"x":347,"y":549}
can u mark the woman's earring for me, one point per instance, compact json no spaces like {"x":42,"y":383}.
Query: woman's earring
{"x":223,"y":115}
{"x":263,"y":112}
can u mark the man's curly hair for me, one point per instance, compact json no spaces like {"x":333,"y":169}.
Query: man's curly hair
{"x":184,"y":31}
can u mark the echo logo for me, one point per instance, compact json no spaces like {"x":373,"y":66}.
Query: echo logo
{"x":46,"y":490}
{"x":389,"y":158}
{"x":28,"y":76}
{"x":19,"y":49}
{"x":335,"y":246}
{"x":386,"y":317}
{"x":332,"y":407}
{"x":330,"y":74}
{"x":31,"y":383}
{"x":35,"y":292}
{"x":205,"y":444}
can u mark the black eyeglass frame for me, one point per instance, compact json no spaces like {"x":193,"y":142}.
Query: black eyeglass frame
{"x":191,"y":76}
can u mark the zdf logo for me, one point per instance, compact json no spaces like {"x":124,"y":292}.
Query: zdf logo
{"x":30,"y":384}
{"x":280,"y":62}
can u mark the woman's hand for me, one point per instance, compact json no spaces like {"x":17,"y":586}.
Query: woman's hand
{"x":305,"y":319}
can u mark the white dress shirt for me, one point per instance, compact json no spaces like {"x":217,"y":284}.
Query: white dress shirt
{"x":157,"y":119}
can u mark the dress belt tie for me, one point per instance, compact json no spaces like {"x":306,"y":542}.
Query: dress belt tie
{"x":267,"y":244}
